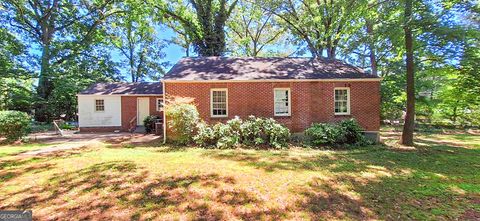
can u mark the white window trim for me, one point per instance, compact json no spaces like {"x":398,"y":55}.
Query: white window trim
{"x":95,"y":105}
{"x":156,"y":104}
{"x":289,"y":102}
{"x":348,"y":100}
{"x":211,"y":102}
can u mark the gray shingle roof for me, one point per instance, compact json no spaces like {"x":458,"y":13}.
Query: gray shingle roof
{"x":224,"y":68}
{"x":124,"y":88}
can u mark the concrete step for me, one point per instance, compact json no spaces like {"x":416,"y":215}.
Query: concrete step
{"x":139,"y":129}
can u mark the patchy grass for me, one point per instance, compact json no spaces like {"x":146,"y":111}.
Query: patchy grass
{"x":7,"y":150}
{"x":438,"y":179}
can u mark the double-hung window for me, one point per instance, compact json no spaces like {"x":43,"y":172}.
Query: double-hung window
{"x":282,"y":106}
{"x":219,"y":102}
{"x":159,"y":104}
{"x":342,"y":101}
{"x":99,"y":105}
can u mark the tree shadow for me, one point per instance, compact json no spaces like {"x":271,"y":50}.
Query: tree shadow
{"x":102,"y":190}
{"x":326,"y":200}
{"x":271,"y":162}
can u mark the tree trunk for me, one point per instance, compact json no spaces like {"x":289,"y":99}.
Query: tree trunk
{"x":132,"y":65}
{"x":43,"y":81}
{"x":331,"y":52}
{"x":408,"y":127}
{"x":373,"y":59}
{"x":45,"y":86}
{"x":187,"y":50}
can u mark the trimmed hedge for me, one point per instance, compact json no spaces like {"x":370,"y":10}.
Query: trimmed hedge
{"x":14,"y":124}
{"x":252,"y":132}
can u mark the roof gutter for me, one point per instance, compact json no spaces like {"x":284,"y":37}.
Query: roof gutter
{"x":278,"y":80}
{"x":136,"y":95}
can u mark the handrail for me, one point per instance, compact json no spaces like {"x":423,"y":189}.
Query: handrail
{"x":57,"y":128}
{"x":133,"y":119}
{"x":131,"y":124}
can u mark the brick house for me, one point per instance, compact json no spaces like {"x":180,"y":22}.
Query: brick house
{"x":294,"y":91}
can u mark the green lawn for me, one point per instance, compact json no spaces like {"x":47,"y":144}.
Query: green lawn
{"x":439,"y":179}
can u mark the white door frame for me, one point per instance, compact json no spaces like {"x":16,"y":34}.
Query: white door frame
{"x":140,"y":121}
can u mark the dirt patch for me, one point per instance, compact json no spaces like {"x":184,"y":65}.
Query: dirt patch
{"x":470,"y":214}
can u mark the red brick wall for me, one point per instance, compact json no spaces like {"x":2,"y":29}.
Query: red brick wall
{"x":129,"y":109}
{"x":311,"y":101}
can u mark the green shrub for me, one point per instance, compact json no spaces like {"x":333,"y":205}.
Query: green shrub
{"x":66,"y":126}
{"x":322,"y":134}
{"x":205,"y":136}
{"x":277,"y":134}
{"x":149,"y":123}
{"x":347,"y":132}
{"x":249,"y":133}
{"x":251,"y":130}
{"x":14,"y":124}
{"x":351,"y":132}
{"x":182,"y":121}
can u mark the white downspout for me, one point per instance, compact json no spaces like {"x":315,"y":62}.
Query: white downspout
{"x":164,"y":115}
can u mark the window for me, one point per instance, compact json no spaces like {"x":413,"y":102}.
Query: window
{"x":282,"y":101}
{"x":342,"y":101}
{"x":159,"y":104}
{"x":99,"y":105}
{"x":219,"y":102}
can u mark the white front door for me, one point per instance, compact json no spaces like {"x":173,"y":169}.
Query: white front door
{"x":143,"y":109}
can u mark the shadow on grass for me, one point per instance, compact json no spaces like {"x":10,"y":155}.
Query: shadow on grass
{"x":102,"y":190}
{"x":18,"y":165}
{"x":432,"y":181}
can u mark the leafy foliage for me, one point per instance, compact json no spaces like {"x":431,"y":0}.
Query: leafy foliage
{"x":182,"y":119}
{"x":251,"y":133}
{"x":344,"y":132}
{"x":134,"y":35}
{"x":254,"y":31}
{"x":14,"y":124}
{"x":59,"y":30}
{"x":149,"y":123}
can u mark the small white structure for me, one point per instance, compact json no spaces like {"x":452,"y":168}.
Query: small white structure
{"x":99,"y":111}
{"x":109,"y":107}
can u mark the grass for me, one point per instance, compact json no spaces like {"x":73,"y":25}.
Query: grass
{"x":7,"y":150}
{"x":436,"y":180}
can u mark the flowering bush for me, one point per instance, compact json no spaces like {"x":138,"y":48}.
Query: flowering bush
{"x":249,"y":133}
{"x":182,"y":121}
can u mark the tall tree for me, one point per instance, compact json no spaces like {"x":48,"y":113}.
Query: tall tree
{"x":204,"y":22}
{"x":321,"y":25}
{"x":409,"y":125}
{"x":134,"y":35}
{"x":61,"y":30}
{"x":252,"y":29}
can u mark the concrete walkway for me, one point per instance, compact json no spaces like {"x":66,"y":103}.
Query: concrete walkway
{"x":72,"y":141}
